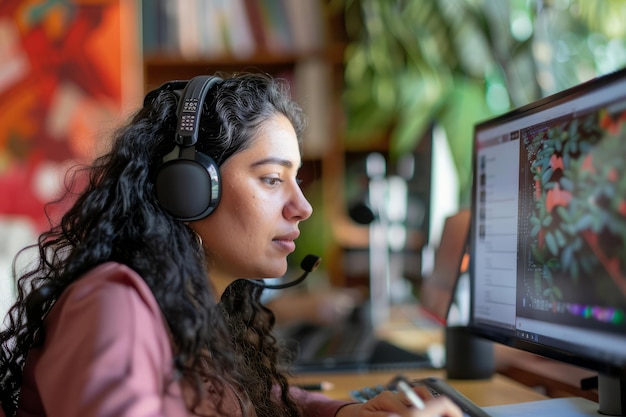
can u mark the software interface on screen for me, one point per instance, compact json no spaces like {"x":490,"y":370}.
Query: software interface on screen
{"x":549,"y":228}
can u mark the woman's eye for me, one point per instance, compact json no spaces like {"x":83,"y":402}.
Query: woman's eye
{"x":272,"y":180}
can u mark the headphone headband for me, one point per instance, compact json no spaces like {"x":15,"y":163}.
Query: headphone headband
{"x":190,"y":109}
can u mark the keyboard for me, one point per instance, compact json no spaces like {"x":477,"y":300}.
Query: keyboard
{"x":436,"y":387}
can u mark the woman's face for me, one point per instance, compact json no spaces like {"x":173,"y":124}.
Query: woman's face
{"x":253,"y":228}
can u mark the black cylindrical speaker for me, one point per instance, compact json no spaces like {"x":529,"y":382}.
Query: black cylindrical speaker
{"x":468,"y":356}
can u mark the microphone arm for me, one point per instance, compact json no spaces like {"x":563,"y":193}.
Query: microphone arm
{"x":309,"y":264}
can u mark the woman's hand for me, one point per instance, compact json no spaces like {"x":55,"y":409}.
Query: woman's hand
{"x":388,"y":403}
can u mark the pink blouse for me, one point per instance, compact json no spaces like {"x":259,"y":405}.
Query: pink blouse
{"x":107,"y":353}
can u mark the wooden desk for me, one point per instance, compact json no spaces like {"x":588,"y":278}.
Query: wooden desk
{"x":552,"y":378}
{"x":498,"y":390}
{"x":517,"y":372}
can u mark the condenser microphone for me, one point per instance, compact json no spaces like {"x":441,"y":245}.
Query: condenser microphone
{"x":309,"y":264}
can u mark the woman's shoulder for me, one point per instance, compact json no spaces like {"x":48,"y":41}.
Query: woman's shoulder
{"x":109,"y":294}
{"x":107,"y":334}
{"x":109,"y":278}
{"x":112,"y":304}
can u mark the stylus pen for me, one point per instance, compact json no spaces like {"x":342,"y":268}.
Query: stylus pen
{"x":415,"y":400}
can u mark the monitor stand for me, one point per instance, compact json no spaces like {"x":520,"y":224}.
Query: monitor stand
{"x":612,"y":395}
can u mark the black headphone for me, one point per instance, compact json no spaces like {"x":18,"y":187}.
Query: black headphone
{"x":187,"y":182}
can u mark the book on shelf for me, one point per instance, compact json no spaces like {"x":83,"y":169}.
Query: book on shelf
{"x":195,"y":29}
{"x":187,"y":27}
{"x":307,"y":24}
{"x":312,"y":89}
{"x":159,"y":27}
{"x":209,"y":30}
{"x":277,"y":28}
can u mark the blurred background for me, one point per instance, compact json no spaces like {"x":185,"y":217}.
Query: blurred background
{"x":392,"y":89}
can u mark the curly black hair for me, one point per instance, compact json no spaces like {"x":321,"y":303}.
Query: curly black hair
{"x":116,"y":217}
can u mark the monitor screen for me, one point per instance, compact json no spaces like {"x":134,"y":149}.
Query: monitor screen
{"x":548,"y":231}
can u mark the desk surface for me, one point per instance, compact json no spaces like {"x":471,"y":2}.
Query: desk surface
{"x":554,"y":378}
{"x":498,"y":390}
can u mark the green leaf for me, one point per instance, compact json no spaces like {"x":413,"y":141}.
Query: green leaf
{"x":560,"y":239}
{"x":563,"y":214}
{"x":547,"y":173}
{"x":585,"y":222}
{"x":551,"y":243}
{"x":547,"y":221}
{"x":566,"y":256}
{"x":566,"y":183}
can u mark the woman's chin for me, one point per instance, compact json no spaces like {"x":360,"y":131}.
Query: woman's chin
{"x":275,"y":271}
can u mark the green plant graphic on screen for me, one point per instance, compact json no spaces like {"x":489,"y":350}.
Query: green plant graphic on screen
{"x":578,"y":168}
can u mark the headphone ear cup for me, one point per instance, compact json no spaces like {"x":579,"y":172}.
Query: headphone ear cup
{"x":188,"y":188}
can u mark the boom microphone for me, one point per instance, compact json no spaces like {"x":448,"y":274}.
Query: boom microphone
{"x":309,"y":264}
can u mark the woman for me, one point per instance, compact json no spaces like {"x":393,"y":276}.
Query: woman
{"x":123,"y":320}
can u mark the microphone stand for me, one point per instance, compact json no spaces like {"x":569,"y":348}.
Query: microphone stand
{"x":378,"y":240}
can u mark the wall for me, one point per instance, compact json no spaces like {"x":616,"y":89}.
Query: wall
{"x":69,"y":72}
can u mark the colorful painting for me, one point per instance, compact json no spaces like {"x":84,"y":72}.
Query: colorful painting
{"x":69,"y":71}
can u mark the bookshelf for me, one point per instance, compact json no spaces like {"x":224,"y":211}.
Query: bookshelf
{"x":302,"y":41}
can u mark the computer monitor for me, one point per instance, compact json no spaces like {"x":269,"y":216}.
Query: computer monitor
{"x":437,"y":290}
{"x":548,"y":231}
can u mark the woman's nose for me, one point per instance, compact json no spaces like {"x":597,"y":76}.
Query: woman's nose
{"x":298,"y":206}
